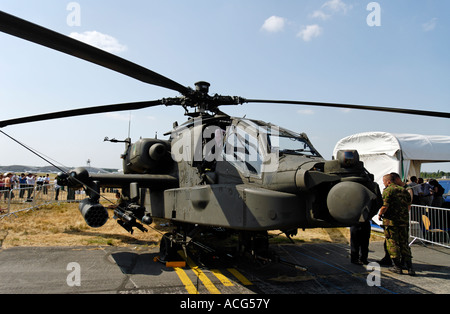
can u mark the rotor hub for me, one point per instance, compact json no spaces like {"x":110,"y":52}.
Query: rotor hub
{"x":202,"y":87}
{"x":201,"y":101}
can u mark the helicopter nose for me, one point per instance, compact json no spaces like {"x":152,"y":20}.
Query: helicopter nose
{"x":350,"y":202}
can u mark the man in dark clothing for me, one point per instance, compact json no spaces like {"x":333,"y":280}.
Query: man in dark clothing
{"x":359,"y":243}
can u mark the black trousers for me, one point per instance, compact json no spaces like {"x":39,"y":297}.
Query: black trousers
{"x":359,"y":241}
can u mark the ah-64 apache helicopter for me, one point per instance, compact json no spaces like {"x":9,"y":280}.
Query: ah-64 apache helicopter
{"x":216,"y":172}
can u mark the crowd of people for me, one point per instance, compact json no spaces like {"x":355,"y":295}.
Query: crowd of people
{"x":24,"y":183}
{"x":428,"y":193}
{"x":394,"y":213}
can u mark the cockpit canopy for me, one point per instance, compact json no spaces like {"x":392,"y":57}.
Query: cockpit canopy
{"x":254,"y":146}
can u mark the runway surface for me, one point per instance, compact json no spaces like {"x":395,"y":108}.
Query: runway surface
{"x":325,"y":269}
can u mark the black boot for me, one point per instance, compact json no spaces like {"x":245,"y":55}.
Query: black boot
{"x":354,"y":259}
{"x":396,"y":268}
{"x":385,"y":261}
{"x":363,"y":259}
{"x":410,"y":269}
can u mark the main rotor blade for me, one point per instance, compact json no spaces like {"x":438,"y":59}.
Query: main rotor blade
{"x":26,"y":30}
{"x":360,"y":107}
{"x":81,"y":112}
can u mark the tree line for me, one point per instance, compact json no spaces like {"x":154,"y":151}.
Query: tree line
{"x":435,"y":175}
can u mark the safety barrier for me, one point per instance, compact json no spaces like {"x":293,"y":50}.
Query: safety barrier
{"x":31,"y":197}
{"x":430,"y":225}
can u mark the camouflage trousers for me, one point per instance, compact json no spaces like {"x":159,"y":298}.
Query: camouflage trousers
{"x":397,"y":242}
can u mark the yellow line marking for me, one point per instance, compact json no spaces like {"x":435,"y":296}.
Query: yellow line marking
{"x":186,"y":281}
{"x":222,"y":278}
{"x":239,"y":276}
{"x":208,"y":284}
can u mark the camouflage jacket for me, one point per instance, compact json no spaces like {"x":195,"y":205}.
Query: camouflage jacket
{"x":397,"y":200}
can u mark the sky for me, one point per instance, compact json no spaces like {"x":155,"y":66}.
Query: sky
{"x":384,"y":53}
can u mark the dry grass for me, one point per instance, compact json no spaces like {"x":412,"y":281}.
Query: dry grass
{"x":63,"y":225}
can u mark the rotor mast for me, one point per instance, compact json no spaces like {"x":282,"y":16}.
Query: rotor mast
{"x":201,"y":101}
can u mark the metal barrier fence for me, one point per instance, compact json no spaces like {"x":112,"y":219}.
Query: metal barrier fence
{"x":430,"y":224}
{"x":31,"y":197}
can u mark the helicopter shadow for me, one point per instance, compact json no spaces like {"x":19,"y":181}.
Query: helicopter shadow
{"x":135,"y":263}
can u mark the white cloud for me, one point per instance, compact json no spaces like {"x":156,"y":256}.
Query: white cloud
{"x":274,"y":24}
{"x":430,"y":25}
{"x":327,"y":10}
{"x":309,"y":32}
{"x":99,"y":40}
{"x":320,"y":15}
{"x":336,"y":6}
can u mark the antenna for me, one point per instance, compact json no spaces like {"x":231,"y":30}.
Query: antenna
{"x":129,"y":125}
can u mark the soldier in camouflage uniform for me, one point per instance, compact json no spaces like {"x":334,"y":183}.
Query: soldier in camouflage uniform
{"x":395,"y":216}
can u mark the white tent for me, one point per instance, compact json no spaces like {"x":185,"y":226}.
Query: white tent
{"x":383,"y":152}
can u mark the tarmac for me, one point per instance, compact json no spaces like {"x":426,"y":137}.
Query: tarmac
{"x":325,"y":269}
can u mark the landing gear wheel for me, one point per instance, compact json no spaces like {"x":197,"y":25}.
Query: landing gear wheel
{"x":254,"y":243}
{"x":168,"y":248}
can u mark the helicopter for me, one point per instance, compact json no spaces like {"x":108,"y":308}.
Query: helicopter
{"x":215,"y":173}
